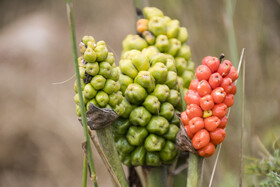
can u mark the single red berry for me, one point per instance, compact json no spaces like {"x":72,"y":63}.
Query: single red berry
{"x":211,"y":123}
{"x":224,"y":68}
{"x":223,"y":123}
{"x":184,"y":118}
{"x":218,"y":95}
{"x":212,"y":63}
{"x":217,"y":136}
{"x":233,"y":90}
{"x":196,"y":124}
{"x":202,"y":72}
{"x":215,"y":80}
{"x":220,"y":110}
{"x":192,"y":97}
{"x":227,"y":85}
{"x":207,"y":102}
{"x":201,"y":139}
{"x":205,"y":59}
{"x":233,"y":74}
{"x":190,"y":134}
{"x":207,"y":150}
{"x":193,"y":110}
{"x":203,"y":88}
{"x":229,"y":100}
{"x":193,"y":84}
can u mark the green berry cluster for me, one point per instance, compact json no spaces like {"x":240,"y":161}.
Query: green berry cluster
{"x":146,"y":133}
{"x":159,"y":33}
{"x":99,"y":77}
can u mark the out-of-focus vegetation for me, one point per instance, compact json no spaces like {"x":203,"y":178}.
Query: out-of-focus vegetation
{"x":40,"y":137}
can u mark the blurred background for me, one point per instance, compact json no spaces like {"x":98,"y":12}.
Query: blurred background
{"x":40,"y":137}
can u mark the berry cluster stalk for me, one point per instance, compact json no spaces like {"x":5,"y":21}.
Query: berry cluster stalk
{"x":107,"y":142}
{"x":156,"y":176}
{"x":82,"y":106}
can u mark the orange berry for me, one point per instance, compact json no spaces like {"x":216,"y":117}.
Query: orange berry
{"x":217,"y":136}
{"x":201,"y":139}
{"x":207,"y":151}
{"x":142,"y":25}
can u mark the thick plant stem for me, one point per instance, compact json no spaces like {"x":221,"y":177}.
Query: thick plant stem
{"x":181,"y":172}
{"x":156,"y":176}
{"x":85,"y":166}
{"x":82,"y":105}
{"x":194,"y":170}
{"x":107,"y":142}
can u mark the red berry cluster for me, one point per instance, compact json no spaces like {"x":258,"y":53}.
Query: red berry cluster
{"x":208,"y":99}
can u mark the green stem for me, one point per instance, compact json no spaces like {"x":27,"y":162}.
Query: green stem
{"x":180,"y":179}
{"x":107,"y":142}
{"x":85,"y":165}
{"x":82,"y":105}
{"x":194,"y":170}
{"x":156,"y":176}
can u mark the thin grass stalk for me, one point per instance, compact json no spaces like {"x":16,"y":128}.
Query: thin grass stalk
{"x":89,"y":157}
{"x":242,"y":125}
{"x":220,"y":146}
{"x":85,"y":167}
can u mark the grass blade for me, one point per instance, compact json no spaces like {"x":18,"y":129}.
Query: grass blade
{"x":89,"y":157}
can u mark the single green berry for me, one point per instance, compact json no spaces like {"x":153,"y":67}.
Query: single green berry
{"x":167,"y":110}
{"x":109,"y":86}
{"x":183,"y":34}
{"x":98,"y":82}
{"x":161,"y":91}
{"x":168,"y":152}
{"x":146,"y":80}
{"x":136,"y":135}
{"x":89,"y":92}
{"x":181,"y":65}
{"x":123,"y":146}
{"x":135,"y":94}
{"x":128,"y":68}
{"x":101,"y":52}
{"x":154,"y":143}
{"x":174,"y":97}
{"x":102,"y":98}
{"x":173,"y":28}
{"x":124,"y":82}
{"x":152,"y":104}
{"x":92,"y":68}
{"x":159,"y":72}
{"x":185,"y":52}
{"x":171,"y":80}
{"x":89,"y":55}
{"x":140,"y":116}
{"x":120,"y":126}
{"x":105,"y":69}
{"x":138,"y":156}
{"x":152,"y":159}
{"x":162,"y":43}
{"x":174,"y":46}
{"x":172,"y":132}
{"x":150,"y":12}
{"x":157,"y":25}
{"x":158,"y":125}
{"x":110,"y":58}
